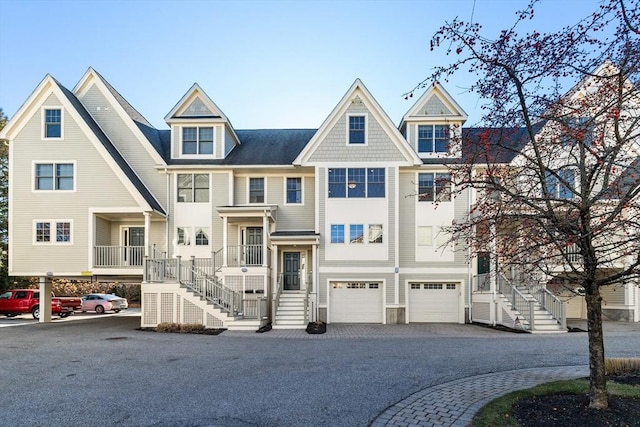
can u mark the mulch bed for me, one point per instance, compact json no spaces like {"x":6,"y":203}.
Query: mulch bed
{"x":208,"y":331}
{"x":571,"y":410}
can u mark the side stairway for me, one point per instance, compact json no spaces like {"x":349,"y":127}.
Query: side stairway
{"x":543,"y":320}
{"x":290,"y":313}
{"x":230,"y":322}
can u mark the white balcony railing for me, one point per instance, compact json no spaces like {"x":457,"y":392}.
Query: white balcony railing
{"x":118,"y":256}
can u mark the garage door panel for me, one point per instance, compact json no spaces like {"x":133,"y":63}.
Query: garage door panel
{"x":356,"y":302}
{"x":434,"y":302}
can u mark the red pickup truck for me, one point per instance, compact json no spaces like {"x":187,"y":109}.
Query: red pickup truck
{"x":21,"y":301}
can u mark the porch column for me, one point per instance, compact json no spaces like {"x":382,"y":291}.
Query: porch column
{"x":274,"y":268}
{"x":45,"y":299}
{"x":265,"y":234}
{"x":225,"y":240}
{"x":493,"y":274}
{"x":314,"y":281}
{"x":147,"y":231}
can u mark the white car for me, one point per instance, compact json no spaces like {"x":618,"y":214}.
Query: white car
{"x":103,"y":302}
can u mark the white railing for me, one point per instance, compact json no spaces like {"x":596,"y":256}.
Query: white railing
{"x":118,"y":256}
{"x":243,"y":255}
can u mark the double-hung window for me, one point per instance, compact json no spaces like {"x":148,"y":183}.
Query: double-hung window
{"x":193,"y":188}
{"x":561,"y":186}
{"x":357,"y":130}
{"x":197,"y":140}
{"x":434,"y":187}
{"x":54,"y":176}
{"x":294,"y":190}
{"x":56,"y":232}
{"x":433,"y":138}
{"x":256,"y":190}
{"x":53,"y":123}
{"x":356,"y":182}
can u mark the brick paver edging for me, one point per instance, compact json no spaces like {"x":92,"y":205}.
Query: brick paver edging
{"x":455,"y":403}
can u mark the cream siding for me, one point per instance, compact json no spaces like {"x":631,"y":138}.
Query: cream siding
{"x":219,"y":197}
{"x":293,"y":217}
{"x":127,"y":143}
{"x":93,"y":179}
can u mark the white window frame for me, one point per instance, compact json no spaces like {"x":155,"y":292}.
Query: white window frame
{"x":366,"y":129}
{"x":43,"y":114}
{"x":53,"y":226}
{"x":433,"y":152}
{"x":187,"y":236}
{"x":197,"y":155}
{"x":286,"y":202}
{"x":193,"y":187}
{"x":264,"y":180}
{"x":54,"y":163}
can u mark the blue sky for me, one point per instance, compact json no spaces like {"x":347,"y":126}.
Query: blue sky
{"x":266,"y":64}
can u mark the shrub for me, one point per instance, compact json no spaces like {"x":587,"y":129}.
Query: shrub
{"x":190,"y":328}
{"x":168,"y":327}
{"x":621,"y":365}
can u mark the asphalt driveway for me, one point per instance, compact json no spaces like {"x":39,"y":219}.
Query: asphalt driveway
{"x":106,"y":372}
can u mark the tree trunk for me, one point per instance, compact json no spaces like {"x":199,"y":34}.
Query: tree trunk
{"x":598,"y":380}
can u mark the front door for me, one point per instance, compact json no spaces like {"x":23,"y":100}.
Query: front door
{"x":134,"y":242}
{"x":291,"y":273}
{"x":253,"y":249}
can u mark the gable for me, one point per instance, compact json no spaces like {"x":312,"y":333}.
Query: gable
{"x":197,"y":108}
{"x":382,"y":140}
{"x":435,"y":104}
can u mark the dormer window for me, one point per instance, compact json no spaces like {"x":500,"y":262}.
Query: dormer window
{"x":197,"y":140}
{"x":433,"y":139}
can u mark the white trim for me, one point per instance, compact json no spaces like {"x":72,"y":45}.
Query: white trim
{"x":83,"y":86}
{"x":198,"y":125}
{"x":43,"y":109}
{"x":338,"y":112}
{"x":348,"y":142}
{"x":383,"y":290}
{"x":264,"y":180}
{"x":53,"y":163}
{"x":301,"y":203}
{"x":436,"y":89}
{"x":53,"y":224}
{"x":359,"y":270}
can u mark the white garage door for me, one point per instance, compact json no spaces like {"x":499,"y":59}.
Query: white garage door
{"x":355,"y":302}
{"x":434,"y":302}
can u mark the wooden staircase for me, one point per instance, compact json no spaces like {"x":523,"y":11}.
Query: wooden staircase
{"x":290,"y":313}
{"x":543,"y":321}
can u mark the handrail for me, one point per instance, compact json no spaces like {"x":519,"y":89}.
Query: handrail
{"x":210,"y":288}
{"x":519,"y":301}
{"x":307,"y":285}
{"x":553,"y":305}
{"x":276,"y":300}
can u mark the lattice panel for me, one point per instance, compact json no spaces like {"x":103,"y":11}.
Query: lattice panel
{"x":192,"y":313}
{"x":178,"y":307}
{"x":150,"y":309}
{"x":233,"y":282}
{"x":166,"y":307}
{"x":214,"y":322}
{"x":253,"y":283}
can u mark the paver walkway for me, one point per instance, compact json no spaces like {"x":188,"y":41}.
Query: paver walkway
{"x":456,"y":402}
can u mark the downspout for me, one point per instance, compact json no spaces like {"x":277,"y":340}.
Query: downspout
{"x":166,"y":226}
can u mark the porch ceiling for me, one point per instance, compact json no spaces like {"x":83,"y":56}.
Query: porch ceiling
{"x":128,"y":216}
{"x":239,"y":213}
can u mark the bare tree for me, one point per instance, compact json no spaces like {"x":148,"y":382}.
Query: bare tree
{"x":555,"y":173}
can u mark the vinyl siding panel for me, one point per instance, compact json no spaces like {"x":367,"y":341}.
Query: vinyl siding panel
{"x":220,"y":197}
{"x":379,"y":148}
{"x":240,"y":196}
{"x":293,"y":217}
{"x":103,"y":232}
{"x":126,"y":141}
{"x":93,"y":179}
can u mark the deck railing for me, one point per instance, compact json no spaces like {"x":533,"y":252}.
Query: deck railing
{"x":118,"y":256}
{"x":242,"y":255}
